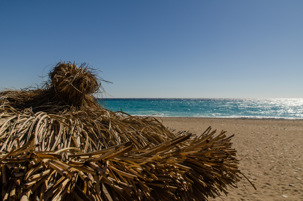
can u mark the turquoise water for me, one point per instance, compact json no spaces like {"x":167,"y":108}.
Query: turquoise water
{"x":223,"y":108}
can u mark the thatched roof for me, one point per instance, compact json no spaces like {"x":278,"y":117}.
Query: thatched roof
{"x":58,"y":143}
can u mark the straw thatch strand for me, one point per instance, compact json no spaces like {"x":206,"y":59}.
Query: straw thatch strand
{"x":68,"y":85}
{"x":58,"y":143}
{"x":164,"y":172}
{"x":72,"y":83}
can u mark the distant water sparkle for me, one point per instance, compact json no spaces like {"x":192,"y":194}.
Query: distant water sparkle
{"x":218,"y":108}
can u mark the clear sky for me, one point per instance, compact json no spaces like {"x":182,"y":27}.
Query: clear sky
{"x":159,"y":48}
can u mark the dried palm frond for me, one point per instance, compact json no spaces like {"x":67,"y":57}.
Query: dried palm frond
{"x":58,"y":143}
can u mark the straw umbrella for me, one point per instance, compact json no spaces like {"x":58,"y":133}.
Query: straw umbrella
{"x":57,"y":142}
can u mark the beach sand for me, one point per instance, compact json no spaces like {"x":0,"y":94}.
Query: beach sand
{"x":270,"y":154}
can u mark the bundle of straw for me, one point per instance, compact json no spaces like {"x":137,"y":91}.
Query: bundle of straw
{"x":58,"y":143}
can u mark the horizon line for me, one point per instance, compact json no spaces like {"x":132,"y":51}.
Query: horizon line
{"x":193,"y":98}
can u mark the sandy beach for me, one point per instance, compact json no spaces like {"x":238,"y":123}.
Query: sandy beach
{"x":270,"y":154}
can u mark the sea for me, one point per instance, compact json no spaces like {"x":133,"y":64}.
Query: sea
{"x":278,"y":108}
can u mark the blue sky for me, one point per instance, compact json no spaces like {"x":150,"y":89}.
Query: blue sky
{"x":159,"y":48}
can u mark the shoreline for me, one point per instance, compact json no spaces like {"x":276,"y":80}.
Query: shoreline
{"x":235,"y":118}
{"x":269,"y":153}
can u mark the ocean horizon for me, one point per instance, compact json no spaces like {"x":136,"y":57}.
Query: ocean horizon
{"x":269,"y":108}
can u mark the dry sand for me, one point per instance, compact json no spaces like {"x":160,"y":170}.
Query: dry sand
{"x":270,"y":154}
